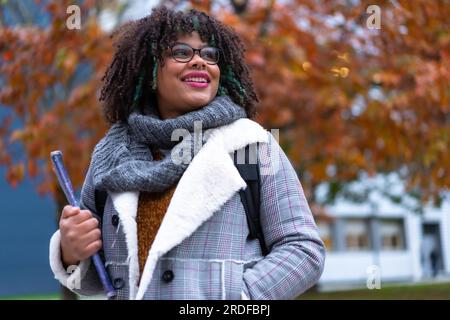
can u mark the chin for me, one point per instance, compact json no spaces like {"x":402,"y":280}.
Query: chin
{"x":198,"y":102}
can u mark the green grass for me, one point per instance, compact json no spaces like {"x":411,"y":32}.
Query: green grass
{"x":439,"y":291}
{"x":55,"y":296}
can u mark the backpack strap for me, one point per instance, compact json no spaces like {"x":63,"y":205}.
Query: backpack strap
{"x":100,"y":201}
{"x":250,"y":196}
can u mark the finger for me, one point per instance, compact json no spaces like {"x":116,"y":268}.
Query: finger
{"x":93,"y":247}
{"x":91,"y":237}
{"x":82,"y":216}
{"x":69,"y":211}
{"x":87,"y":226}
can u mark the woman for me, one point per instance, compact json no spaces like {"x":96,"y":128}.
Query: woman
{"x":176,"y":229}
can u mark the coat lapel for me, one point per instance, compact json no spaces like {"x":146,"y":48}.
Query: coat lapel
{"x":210,"y":180}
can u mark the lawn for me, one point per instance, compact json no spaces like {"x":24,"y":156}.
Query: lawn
{"x":32,"y":297}
{"x":440,"y":291}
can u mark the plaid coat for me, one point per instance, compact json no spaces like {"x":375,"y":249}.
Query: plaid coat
{"x":202,"y":249}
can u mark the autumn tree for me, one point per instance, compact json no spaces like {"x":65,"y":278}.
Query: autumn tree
{"x":353,"y":100}
{"x":50,"y":78}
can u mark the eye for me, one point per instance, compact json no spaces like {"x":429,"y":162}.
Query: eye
{"x":209,"y":53}
{"x":181,"y":52}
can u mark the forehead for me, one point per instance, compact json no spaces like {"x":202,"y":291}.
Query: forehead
{"x":192,"y":39}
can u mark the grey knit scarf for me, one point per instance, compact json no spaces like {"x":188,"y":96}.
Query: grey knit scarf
{"x":122,"y":160}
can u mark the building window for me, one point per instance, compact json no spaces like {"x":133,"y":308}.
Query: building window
{"x":357,"y":234}
{"x":325,"y":233}
{"x":392,"y":234}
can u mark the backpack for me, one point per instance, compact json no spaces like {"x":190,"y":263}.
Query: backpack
{"x":250,"y":196}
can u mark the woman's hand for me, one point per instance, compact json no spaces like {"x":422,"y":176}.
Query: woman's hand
{"x":80,"y":235}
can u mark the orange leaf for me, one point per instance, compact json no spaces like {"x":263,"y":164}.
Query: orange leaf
{"x":15,"y":174}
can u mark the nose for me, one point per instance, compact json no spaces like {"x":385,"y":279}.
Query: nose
{"x":197,"y":61}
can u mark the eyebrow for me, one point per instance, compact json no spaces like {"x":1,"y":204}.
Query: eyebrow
{"x":203,"y":45}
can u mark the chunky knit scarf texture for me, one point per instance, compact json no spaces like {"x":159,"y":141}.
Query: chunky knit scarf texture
{"x":123,"y":161}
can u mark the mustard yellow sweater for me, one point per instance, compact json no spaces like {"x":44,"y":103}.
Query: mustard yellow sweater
{"x":152,"y":207}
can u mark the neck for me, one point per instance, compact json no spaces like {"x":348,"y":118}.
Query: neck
{"x":168,"y":112}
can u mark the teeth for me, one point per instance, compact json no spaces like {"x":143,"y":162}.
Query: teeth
{"x":195,"y":80}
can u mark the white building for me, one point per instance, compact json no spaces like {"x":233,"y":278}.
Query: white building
{"x":400,"y":245}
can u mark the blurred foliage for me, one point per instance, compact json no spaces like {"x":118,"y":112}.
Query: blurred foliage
{"x":348,"y":100}
{"x":51,"y":78}
{"x":352,"y":101}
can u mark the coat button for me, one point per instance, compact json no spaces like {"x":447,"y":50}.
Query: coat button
{"x":115,"y":220}
{"x":118,"y":283}
{"x":168,"y":276}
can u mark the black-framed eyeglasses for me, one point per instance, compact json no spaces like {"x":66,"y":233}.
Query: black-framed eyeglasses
{"x":183,"y":52}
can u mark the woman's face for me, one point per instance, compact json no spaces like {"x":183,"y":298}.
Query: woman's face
{"x":180,"y":86}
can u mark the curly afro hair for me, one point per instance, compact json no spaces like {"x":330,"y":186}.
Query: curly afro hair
{"x":141,"y":45}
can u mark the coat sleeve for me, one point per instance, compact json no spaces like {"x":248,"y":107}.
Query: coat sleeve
{"x":83,"y":278}
{"x":297,"y":254}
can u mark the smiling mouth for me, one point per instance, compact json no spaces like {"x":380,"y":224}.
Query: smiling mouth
{"x":196,"y":80}
{"x":194,"y":84}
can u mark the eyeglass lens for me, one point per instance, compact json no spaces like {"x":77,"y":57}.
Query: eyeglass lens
{"x":184,"y":53}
